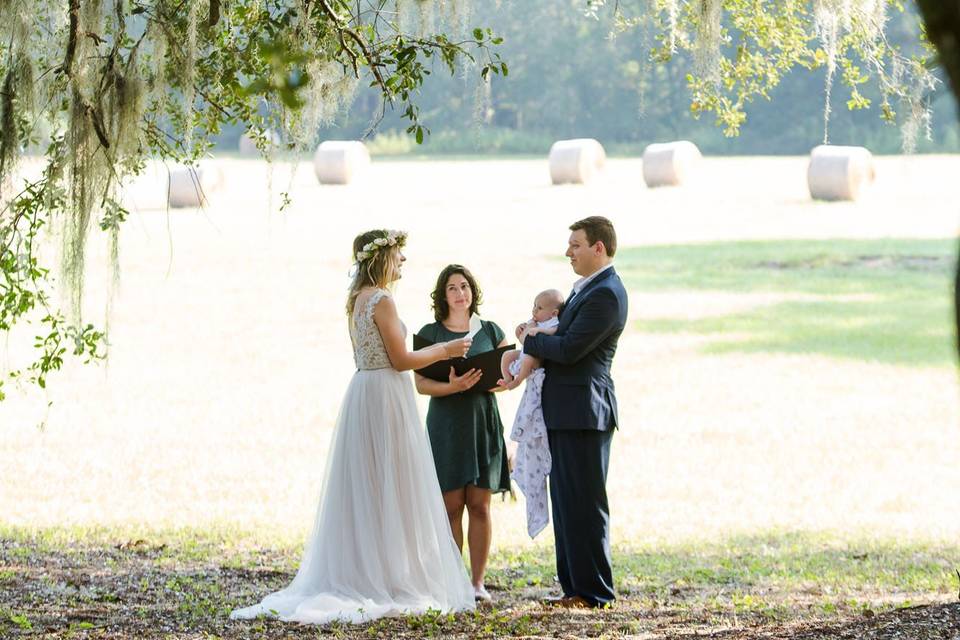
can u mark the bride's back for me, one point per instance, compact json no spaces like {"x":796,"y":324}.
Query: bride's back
{"x":368,"y":349}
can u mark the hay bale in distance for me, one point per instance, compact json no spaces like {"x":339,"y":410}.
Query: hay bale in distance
{"x":838,"y":172}
{"x":340,"y":161}
{"x":576,"y":161}
{"x":670,"y":164}
{"x":192,"y":186}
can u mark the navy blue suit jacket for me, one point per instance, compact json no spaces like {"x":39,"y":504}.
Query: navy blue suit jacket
{"x":578,"y":392}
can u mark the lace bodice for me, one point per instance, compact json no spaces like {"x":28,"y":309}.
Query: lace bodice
{"x":368,"y":349}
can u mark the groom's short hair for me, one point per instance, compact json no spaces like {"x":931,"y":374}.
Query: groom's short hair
{"x":598,"y":228}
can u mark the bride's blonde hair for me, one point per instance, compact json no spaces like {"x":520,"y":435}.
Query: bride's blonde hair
{"x":374,"y":254}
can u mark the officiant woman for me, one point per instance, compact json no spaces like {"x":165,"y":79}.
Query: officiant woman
{"x":464,"y":425}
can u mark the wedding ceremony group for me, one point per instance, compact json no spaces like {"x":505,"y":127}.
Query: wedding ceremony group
{"x":388,"y":533}
{"x":479,"y":319}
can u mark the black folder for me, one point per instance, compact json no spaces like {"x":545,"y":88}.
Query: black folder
{"x":488,"y":362}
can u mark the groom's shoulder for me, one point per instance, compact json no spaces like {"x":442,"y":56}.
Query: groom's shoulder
{"x":612,"y":282}
{"x":618,"y":283}
{"x":612,"y":288}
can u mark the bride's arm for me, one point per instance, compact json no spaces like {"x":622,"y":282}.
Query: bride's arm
{"x":391,"y":331}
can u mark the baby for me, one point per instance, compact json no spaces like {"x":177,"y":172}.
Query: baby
{"x":516,"y":365}
{"x":532,"y":462}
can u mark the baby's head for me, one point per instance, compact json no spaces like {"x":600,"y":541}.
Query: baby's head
{"x":547,"y":305}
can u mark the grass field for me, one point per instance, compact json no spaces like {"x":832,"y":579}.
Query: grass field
{"x":868,"y":300}
{"x":788,"y":458}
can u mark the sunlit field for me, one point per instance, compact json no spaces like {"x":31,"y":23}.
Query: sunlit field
{"x":230,"y":351}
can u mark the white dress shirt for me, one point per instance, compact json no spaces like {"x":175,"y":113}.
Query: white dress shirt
{"x":582,"y":282}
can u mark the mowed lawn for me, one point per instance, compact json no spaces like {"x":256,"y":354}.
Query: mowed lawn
{"x":885,"y":300}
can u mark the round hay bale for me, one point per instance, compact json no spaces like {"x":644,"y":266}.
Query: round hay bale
{"x":576,"y":161}
{"x":670,"y":164}
{"x":839,"y":173}
{"x":192,"y":186}
{"x":340,"y":161}
{"x":248,"y":146}
{"x":149,"y":189}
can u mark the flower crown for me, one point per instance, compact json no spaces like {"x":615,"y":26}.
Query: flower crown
{"x":370,"y":249}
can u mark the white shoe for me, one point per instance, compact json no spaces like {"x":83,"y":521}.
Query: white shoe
{"x":480,"y":593}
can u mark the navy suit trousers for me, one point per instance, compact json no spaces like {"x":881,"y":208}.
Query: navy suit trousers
{"x":581,"y":517}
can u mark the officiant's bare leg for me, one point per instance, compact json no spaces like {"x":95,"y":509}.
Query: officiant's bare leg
{"x":480,"y":531}
{"x":455,"y":501}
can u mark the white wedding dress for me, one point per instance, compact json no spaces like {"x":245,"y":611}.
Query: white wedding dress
{"x":381,"y":544}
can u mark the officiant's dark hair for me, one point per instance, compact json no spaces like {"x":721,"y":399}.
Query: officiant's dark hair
{"x":439,"y":295}
{"x":598,"y":228}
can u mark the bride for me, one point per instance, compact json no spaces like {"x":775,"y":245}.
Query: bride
{"x":381,"y":544}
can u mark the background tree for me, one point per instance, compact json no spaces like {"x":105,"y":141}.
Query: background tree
{"x":943,"y":28}
{"x":570,"y":78}
{"x":104,"y":85}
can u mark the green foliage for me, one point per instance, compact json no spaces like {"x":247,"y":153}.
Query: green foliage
{"x":21,"y":621}
{"x":486,"y":140}
{"x":111,"y":84}
{"x":619,"y":89}
{"x":743,"y":49}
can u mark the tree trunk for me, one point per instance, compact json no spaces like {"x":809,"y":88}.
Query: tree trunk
{"x":942,"y":18}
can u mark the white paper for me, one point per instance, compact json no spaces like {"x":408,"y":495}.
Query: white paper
{"x":475,"y":326}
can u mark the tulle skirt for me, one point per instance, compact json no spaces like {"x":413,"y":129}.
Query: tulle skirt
{"x":381,"y":542}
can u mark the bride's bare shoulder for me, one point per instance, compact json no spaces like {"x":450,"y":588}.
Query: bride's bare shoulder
{"x":384,"y":304}
{"x":363,"y":295}
{"x":384,"y":301}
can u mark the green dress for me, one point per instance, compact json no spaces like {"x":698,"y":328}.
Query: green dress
{"x":465,"y":430}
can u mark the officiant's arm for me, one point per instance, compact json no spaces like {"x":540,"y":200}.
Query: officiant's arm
{"x":394,"y":341}
{"x":596,"y":316}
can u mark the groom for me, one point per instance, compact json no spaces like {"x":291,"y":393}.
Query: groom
{"x":580,"y":411}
